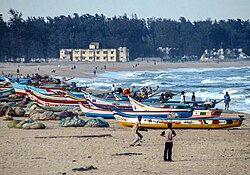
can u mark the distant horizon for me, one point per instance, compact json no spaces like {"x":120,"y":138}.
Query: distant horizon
{"x":193,"y":10}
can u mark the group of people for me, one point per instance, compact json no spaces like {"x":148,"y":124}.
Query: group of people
{"x":227,"y":99}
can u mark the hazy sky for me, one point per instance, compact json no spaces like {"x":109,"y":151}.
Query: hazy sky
{"x":174,"y":9}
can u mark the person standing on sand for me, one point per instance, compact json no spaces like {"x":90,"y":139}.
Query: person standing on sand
{"x":227,"y":100}
{"x":169,"y":134}
{"x":135,"y":130}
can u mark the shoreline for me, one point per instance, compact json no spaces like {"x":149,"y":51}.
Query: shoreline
{"x":85,"y":69}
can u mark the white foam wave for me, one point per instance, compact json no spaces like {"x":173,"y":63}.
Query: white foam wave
{"x":165,"y":76}
{"x":230,"y":91}
{"x":236,"y":78}
{"x":247,"y":100}
{"x":100,"y":84}
{"x":198,"y":70}
{"x":210,"y":81}
{"x":142,"y":84}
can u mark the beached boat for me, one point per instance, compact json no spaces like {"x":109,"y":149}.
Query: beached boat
{"x":212,"y":112}
{"x":94,"y":111}
{"x":137,"y":106}
{"x":106,"y":102}
{"x":6,"y":92}
{"x":178,"y":123}
{"x":197,"y":104}
{"x":52,"y":102}
{"x":101,"y":102}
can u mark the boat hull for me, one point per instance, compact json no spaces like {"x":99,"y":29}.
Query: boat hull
{"x":180,"y":123}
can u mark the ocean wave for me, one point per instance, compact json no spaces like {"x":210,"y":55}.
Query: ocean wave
{"x":143,"y":84}
{"x":197,"y":70}
{"x":208,"y":81}
{"x":236,"y":78}
{"x":167,"y":76}
{"x":247,"y":100}
{"x":230,"y":91}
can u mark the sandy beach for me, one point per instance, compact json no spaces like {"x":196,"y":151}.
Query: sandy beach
{"x":224,"y":151}
{"x":221,"y":151}
{"x":85,"y":69}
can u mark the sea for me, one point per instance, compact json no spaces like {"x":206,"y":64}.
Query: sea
{"x":207,"y":83}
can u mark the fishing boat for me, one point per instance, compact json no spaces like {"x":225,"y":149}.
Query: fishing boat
{"x":206,"y":104}
{"x":4,"y":93}
{"x":53,"y":102}
{"x":178,"y":123}
{"x":209,"y":113}
{"x":94,"y":111}
{"x":106,"y":102}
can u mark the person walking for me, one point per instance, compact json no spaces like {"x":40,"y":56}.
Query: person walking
{"x":169,"y":134}
{"x":227,"y":100}
{"x":135,"y":130}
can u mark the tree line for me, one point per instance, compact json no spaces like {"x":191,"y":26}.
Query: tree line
{"x":39,"y":37}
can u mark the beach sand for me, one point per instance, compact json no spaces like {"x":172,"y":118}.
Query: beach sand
{"x":85,"y":69}
{"x":221,"y":151}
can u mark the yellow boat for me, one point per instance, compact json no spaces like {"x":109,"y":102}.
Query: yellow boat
{"x":179,"y":123}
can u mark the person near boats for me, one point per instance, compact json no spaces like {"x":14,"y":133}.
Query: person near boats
{"x":113,"y":88}
{"x":227,"y":100}
{"x":193,"y":99}
{"x":161,"y":98}
{"x":135,"y":130}
{"x":169,"y":94}
{"x":183,"y":100}
{"x":169,"y":134}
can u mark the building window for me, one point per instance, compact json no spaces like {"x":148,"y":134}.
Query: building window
{"x":91,"y":58}
{"x":111,"y":58}
{"x":98,"y":58}
{"x":105,"y":52}
{"x":83,"y":52}
{"x":112,"y":52}
{"x":97,"y":52}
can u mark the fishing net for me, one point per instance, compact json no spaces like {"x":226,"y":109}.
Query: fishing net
{"x":72,"y":122}
{"x":97,"y":122}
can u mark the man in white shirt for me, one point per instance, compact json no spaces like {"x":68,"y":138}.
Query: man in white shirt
{"x":169,"y":134}
{"x":183,"y":100}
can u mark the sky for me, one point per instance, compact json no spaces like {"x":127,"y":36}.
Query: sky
{"x":193,"y":10}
